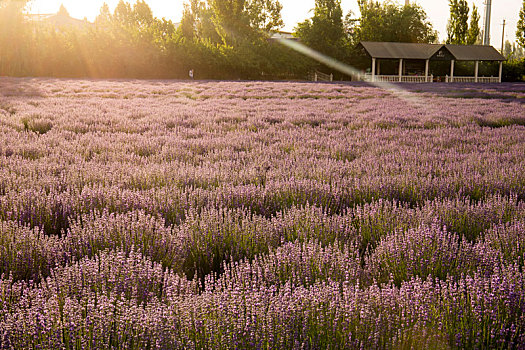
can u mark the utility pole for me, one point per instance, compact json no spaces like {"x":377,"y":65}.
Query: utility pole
{"x":503,"y":37}
{"x":486,"y":24}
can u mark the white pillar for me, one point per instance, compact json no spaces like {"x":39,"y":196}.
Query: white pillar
{"x":373,"y":69}
{"x":452,"y":71}
{"x":476,"y":70}
{"x":426,"y":70}
{"x":500,"y":70}
{"x":400,"y":71}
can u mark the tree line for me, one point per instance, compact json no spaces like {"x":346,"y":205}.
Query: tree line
{"x":217,"y":39}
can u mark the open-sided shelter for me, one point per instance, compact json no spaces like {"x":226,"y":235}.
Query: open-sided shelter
{"x":414,"y":60}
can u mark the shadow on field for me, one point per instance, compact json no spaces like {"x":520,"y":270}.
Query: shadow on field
{"x":505,"y":92}
{"x":19,"y":87}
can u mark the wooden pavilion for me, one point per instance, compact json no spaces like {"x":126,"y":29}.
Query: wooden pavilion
{"x":414,"y":61}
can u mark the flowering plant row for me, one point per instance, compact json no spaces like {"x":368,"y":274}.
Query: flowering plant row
{"x":167,"y":215}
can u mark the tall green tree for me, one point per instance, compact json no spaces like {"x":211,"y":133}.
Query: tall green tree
{"x":392,"y":22}
{"x":198,"y":24}
{"x":457,"y":27}
{"x":231,"y":19}
{"x":104,"y":17}
{"x":325,"y":31}
{"x":265,"y":15}
{"x":473,"y":36}
{"x":14,"y":35}
{"x":513,"y":52}
{"x":123,"y":13}
{"x":240,"y":20}
{"x":520,"y":31}
{"x":142,"y":14}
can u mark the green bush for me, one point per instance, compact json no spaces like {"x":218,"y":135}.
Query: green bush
{"x":514,"y":70}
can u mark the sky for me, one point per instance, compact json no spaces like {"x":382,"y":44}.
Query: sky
{"x":295,"y":11}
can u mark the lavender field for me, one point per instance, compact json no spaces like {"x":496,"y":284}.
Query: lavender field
{"x":253,"y":215}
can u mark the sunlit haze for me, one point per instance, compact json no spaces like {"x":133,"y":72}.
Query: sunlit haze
{"x":295,"y":11}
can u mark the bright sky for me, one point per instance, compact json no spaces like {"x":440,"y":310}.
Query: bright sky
{"x":295,"y":11}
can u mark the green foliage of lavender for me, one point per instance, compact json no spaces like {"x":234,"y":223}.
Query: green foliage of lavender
{"x":170,"y":215}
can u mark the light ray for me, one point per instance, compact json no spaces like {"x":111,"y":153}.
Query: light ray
{"x":331,"y":62}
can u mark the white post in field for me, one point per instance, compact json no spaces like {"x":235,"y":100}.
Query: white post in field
{"x":426,"y":70}
{"x":476,"y":70}
{"x":373,"y":69}
{"x":400,"y":71}
{"x":500,"y":70}
{"x":452,"y":71}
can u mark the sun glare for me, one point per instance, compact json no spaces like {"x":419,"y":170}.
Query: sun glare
{"x":77,"y":9}
{"x":90,"y":9}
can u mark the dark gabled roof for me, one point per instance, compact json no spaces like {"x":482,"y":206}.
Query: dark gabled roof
{"x":414,"y":51}
{"x":475,"y":53}
{"x":407,"y":51}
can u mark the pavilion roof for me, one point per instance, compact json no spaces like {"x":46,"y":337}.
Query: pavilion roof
{"x":391,"y":50}
{"x":475,"y":53}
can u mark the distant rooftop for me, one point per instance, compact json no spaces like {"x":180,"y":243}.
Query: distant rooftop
{"x":58,"y":19}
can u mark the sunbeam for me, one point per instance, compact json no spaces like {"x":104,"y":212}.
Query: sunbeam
{"x":331,"y":62}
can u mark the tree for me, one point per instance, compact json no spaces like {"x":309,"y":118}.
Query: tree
{"x":62,"y":11}
{"x":104,"y":17}
{"x":325,"y":31}
{"x":392,"y":22}
{"x":188,"y":21}
{"x":197,"y":22}
{"x":231,"y":20}
{"x":123,"y":13}
{"x":142,"y":14}
{"x":457,"y":28}
{"x":520,"y":31}
{"x":265,"y":15}
{"x":14,"y":36}
{"x":512,"y":52}
{"x":507,"y":51}
{"x":473,"y":36}
{"x":238,"y":20}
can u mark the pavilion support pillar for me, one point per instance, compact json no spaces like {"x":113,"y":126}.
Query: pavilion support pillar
{"x":452,"y":71}
{"x":427,"y":62}
{"x":500,"y":70}
{"x":373,"y":69}
{"x":476,"y":71}
{"x":400,"y":71}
